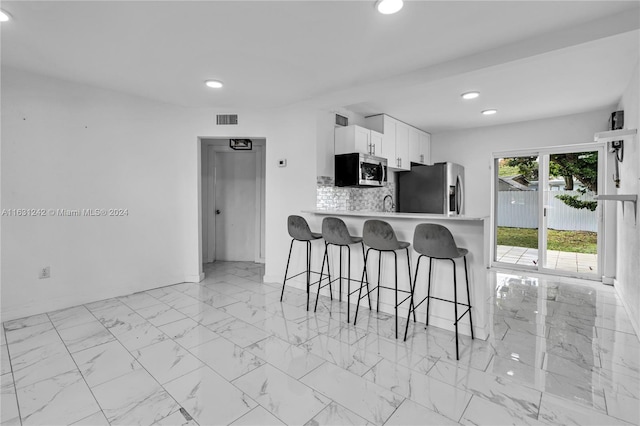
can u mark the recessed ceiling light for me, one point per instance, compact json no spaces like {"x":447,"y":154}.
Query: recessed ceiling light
{"x":388,"y":7}
{"x":470,"y":95}
{"x":215,"y":84}
{"x":4,"y":16}
{"x":489,"y":111}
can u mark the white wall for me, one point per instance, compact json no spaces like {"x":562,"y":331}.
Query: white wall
{"x":71,"y":146}
{"x":628,"y":268}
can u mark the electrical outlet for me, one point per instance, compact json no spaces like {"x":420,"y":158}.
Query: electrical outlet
{"x":45,"y":272}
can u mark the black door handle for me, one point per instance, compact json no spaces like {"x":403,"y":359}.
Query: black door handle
{"x":217,"y":211}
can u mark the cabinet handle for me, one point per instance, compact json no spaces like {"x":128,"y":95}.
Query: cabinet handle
{"x":422,"y":158}
{"x":374,"y":148}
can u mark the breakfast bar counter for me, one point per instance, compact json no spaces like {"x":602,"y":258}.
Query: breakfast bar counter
{"x":471,"y":233}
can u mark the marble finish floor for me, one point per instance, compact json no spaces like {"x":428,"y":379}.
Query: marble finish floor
{"x":227,"y":352}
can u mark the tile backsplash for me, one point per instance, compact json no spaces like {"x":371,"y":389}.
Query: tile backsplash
{"x":331,"y":197}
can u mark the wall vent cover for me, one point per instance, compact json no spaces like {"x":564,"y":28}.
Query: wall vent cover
{"x":226,"y":119}
{"x":341,"y":120}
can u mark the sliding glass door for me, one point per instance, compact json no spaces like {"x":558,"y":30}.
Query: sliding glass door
{"x":517,"y":210}
{"x":546,"y":216}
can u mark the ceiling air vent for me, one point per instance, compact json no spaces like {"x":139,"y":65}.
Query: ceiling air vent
{"x":341,"y":120}
{"x":226,"y":119}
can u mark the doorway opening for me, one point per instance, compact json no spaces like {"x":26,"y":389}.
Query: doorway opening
{"x":233,"y":201}
{"x":546,"y":214}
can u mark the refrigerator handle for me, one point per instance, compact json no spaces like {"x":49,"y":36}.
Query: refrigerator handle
{"x":459,"y":195}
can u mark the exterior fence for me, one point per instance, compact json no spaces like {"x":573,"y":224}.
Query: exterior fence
{"x":519,"y":209}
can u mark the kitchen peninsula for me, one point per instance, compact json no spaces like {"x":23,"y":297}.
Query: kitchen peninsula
{"x":471,"y":233}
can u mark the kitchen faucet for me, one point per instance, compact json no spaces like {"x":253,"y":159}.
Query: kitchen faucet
{"x":384,"y":204}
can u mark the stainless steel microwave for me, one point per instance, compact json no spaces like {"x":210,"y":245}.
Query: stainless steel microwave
{"x":360,"y":170}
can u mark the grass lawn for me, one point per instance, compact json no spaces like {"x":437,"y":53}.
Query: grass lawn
{"x":568,"y":241}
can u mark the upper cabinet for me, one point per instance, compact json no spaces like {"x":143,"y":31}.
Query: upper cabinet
{"x":419,"y":146}
{"x":357,"y":139}
{"x":401,"y":160}
{"x":402,"y":144}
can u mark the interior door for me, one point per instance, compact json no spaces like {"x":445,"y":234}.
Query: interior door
{"x":235,"y":206}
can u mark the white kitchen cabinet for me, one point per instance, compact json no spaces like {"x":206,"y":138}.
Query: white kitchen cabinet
{"x":402,"y":147}
{"x":357,"y":139}
{"x":376,"y":143}
{"x":419,"y":146}
{"x":386,"y":127}
{"x":401,"y":143}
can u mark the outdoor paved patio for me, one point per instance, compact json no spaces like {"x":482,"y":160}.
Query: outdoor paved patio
{"x":559,"y":260}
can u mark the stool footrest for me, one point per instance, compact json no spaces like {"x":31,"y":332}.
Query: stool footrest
{"x":465,"y":313}
{"x":446,"y":300}
{"x":344,"y":278}
{"x":311,"y":283}
{"x":393,"y":288}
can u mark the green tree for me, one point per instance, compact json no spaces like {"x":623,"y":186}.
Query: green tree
{"x":581,"y":166}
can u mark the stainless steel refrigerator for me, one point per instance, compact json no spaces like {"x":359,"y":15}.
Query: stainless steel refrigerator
{"x":438,"y":189}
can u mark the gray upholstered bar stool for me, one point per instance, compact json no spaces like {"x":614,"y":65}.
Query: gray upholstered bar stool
{"x":379,"y":236}
{"x":335,"y":232}
{"x":436,"y":242}
{"x":299,"y":231}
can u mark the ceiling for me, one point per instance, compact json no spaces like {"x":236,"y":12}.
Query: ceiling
{"x":529,"y":59}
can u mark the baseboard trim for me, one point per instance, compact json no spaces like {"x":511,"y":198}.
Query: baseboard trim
{"x":194,"y":278}
{"x":273,"y":279}
{"x":70,"y":300}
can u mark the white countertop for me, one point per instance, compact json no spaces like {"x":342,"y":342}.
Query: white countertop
{"x":392,"y":215}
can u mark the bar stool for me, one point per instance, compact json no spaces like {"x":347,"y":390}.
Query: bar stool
{"x":379,"y":236}
{"x":299,"y":231}
{"x":335,"y":232}
{"x":436,"y":242}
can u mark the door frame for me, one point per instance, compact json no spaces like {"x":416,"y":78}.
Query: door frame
{"x":543,"y":155}
{"x":218,"y":145}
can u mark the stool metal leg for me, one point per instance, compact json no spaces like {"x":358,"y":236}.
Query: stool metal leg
{"x":325,"y":256}
{"x":466,"y":276}
{"x":348,"y":279}
{"x":412,"y":305}
{"x":395,"y":263}
{"x":429,"y":290}
{"x":366,"y":276}
{"x":410,"y":288}
{"x":329,"y":275}
{"x":309,"y":270}
{"x":340,"y":275}
{"x":455,"y":304}
{"x":379,"y":272}
{"x":286,"y":270}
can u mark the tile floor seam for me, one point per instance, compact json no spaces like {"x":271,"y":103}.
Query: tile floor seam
{"x":467,"y":406}
{"x":112,"y":379}
{"x":13,"y":378}
{"x":81,"y":375}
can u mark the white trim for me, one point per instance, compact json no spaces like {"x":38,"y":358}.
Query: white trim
{"x":220,"y":144}
{"x":79,"y":298}
{"x":194,"y":278}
